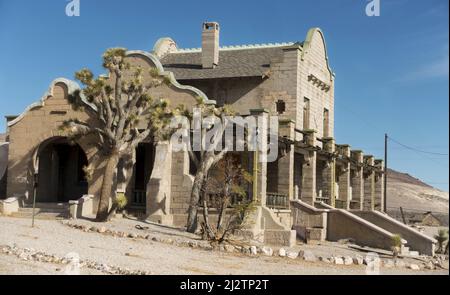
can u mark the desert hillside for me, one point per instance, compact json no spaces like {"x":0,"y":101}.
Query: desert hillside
{"x":415,"y":196}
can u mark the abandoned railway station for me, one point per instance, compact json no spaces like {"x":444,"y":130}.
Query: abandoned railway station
{"x":317,"y":189}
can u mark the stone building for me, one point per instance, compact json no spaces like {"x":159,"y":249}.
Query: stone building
{"x":316,"y":189}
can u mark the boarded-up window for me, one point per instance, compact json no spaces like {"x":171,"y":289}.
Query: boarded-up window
{"x":306,"y":111}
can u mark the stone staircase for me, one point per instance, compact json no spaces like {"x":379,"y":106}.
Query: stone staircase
{"x":44,"y":211}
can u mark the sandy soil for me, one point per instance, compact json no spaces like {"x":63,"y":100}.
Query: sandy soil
{"x":137,"y":254}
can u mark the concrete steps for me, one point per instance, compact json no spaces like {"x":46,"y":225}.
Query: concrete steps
{"x":44,"y":211}
{"x":417,"y":242}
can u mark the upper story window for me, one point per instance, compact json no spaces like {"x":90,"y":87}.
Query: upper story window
{"x":281,"y":106}
{"x":326,"y":123}
{"x":306,"y":113}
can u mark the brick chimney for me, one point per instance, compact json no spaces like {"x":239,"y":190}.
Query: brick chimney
{"x":210,"y":45}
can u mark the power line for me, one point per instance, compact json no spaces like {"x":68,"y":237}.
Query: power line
{"x":415,"y":149}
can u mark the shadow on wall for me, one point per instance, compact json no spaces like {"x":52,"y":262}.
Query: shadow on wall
{"x":3,"y":168}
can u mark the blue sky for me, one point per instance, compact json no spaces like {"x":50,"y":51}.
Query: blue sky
{"x":391,"y":70}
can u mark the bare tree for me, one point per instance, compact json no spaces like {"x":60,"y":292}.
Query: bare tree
{"x":120,"y":102}
{"x":225,"y":190}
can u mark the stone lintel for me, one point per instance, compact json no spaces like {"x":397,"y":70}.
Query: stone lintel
{"x":258,"y":111}
{"x":287,"y":129}
{"x":328,"y":144}
{"x":369,"y":160}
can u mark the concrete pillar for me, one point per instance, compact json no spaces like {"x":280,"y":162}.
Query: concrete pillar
{"x":159,"y":186}
{"x":344,"y":175}
{"x":286,"y":160}
{"x":357,"y":179}
{"x":369,"y":183}
{"x":308,"y":193}
{"x":379,"y":185}
{"x":328,"y":173}
{"x":259,"y":160}
{"x":298,"y":174}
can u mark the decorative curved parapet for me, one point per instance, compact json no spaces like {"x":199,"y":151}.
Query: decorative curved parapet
{"x":170,"y":76}
{"x":164,"y":46}
{"x":71,"y":85}
{"x":307,"y":46}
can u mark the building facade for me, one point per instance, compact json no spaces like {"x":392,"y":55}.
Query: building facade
{"x":311,"y":183}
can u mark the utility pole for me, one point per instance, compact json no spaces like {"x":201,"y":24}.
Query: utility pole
{"x":385,"y":171}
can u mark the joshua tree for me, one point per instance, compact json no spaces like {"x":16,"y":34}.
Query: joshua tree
{"x":441,"y":238}
{"x":120,"y":102}
{"x":225,"y":185}
{"x":205,"y":159}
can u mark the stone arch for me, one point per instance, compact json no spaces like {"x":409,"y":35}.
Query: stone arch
{"x":58,"y":170}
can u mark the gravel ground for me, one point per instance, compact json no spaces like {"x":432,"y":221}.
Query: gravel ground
{"x":12,"y":266}
{"x":138,"y":254}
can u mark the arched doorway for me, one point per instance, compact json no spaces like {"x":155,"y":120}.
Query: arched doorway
{"x":61,"y":176}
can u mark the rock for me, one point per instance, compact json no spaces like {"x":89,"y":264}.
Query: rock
{"x":267,"y":251}
{"x":338,"y":261}
{"x":358,"y":260}
{"x":102,"y":229}
{"x":282,"y":252}
{"x":253,"y":250}
{"x":325,"y":259}
{"x":292,"y":254}
{"x":430,"y":265}
{"x":308,"y":256}
{"x":229,"y":248}
{"x":348,"y":260}
{"x":371,"y":259}
{"x":414,"y":266}
{"x":132,"y":235}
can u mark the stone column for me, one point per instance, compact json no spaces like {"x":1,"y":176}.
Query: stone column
{"x":344,"y":176}
{"x":379,"y":185}
{"x":369,"y":183}
{"x":286,"y":160}
{"x":357,"y":179}
{"x":328,"y":173}
{"x":159,"y":186}
{"x":298,"y":174}
{"x":308,"y":193}
{"x":260,"y":166}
